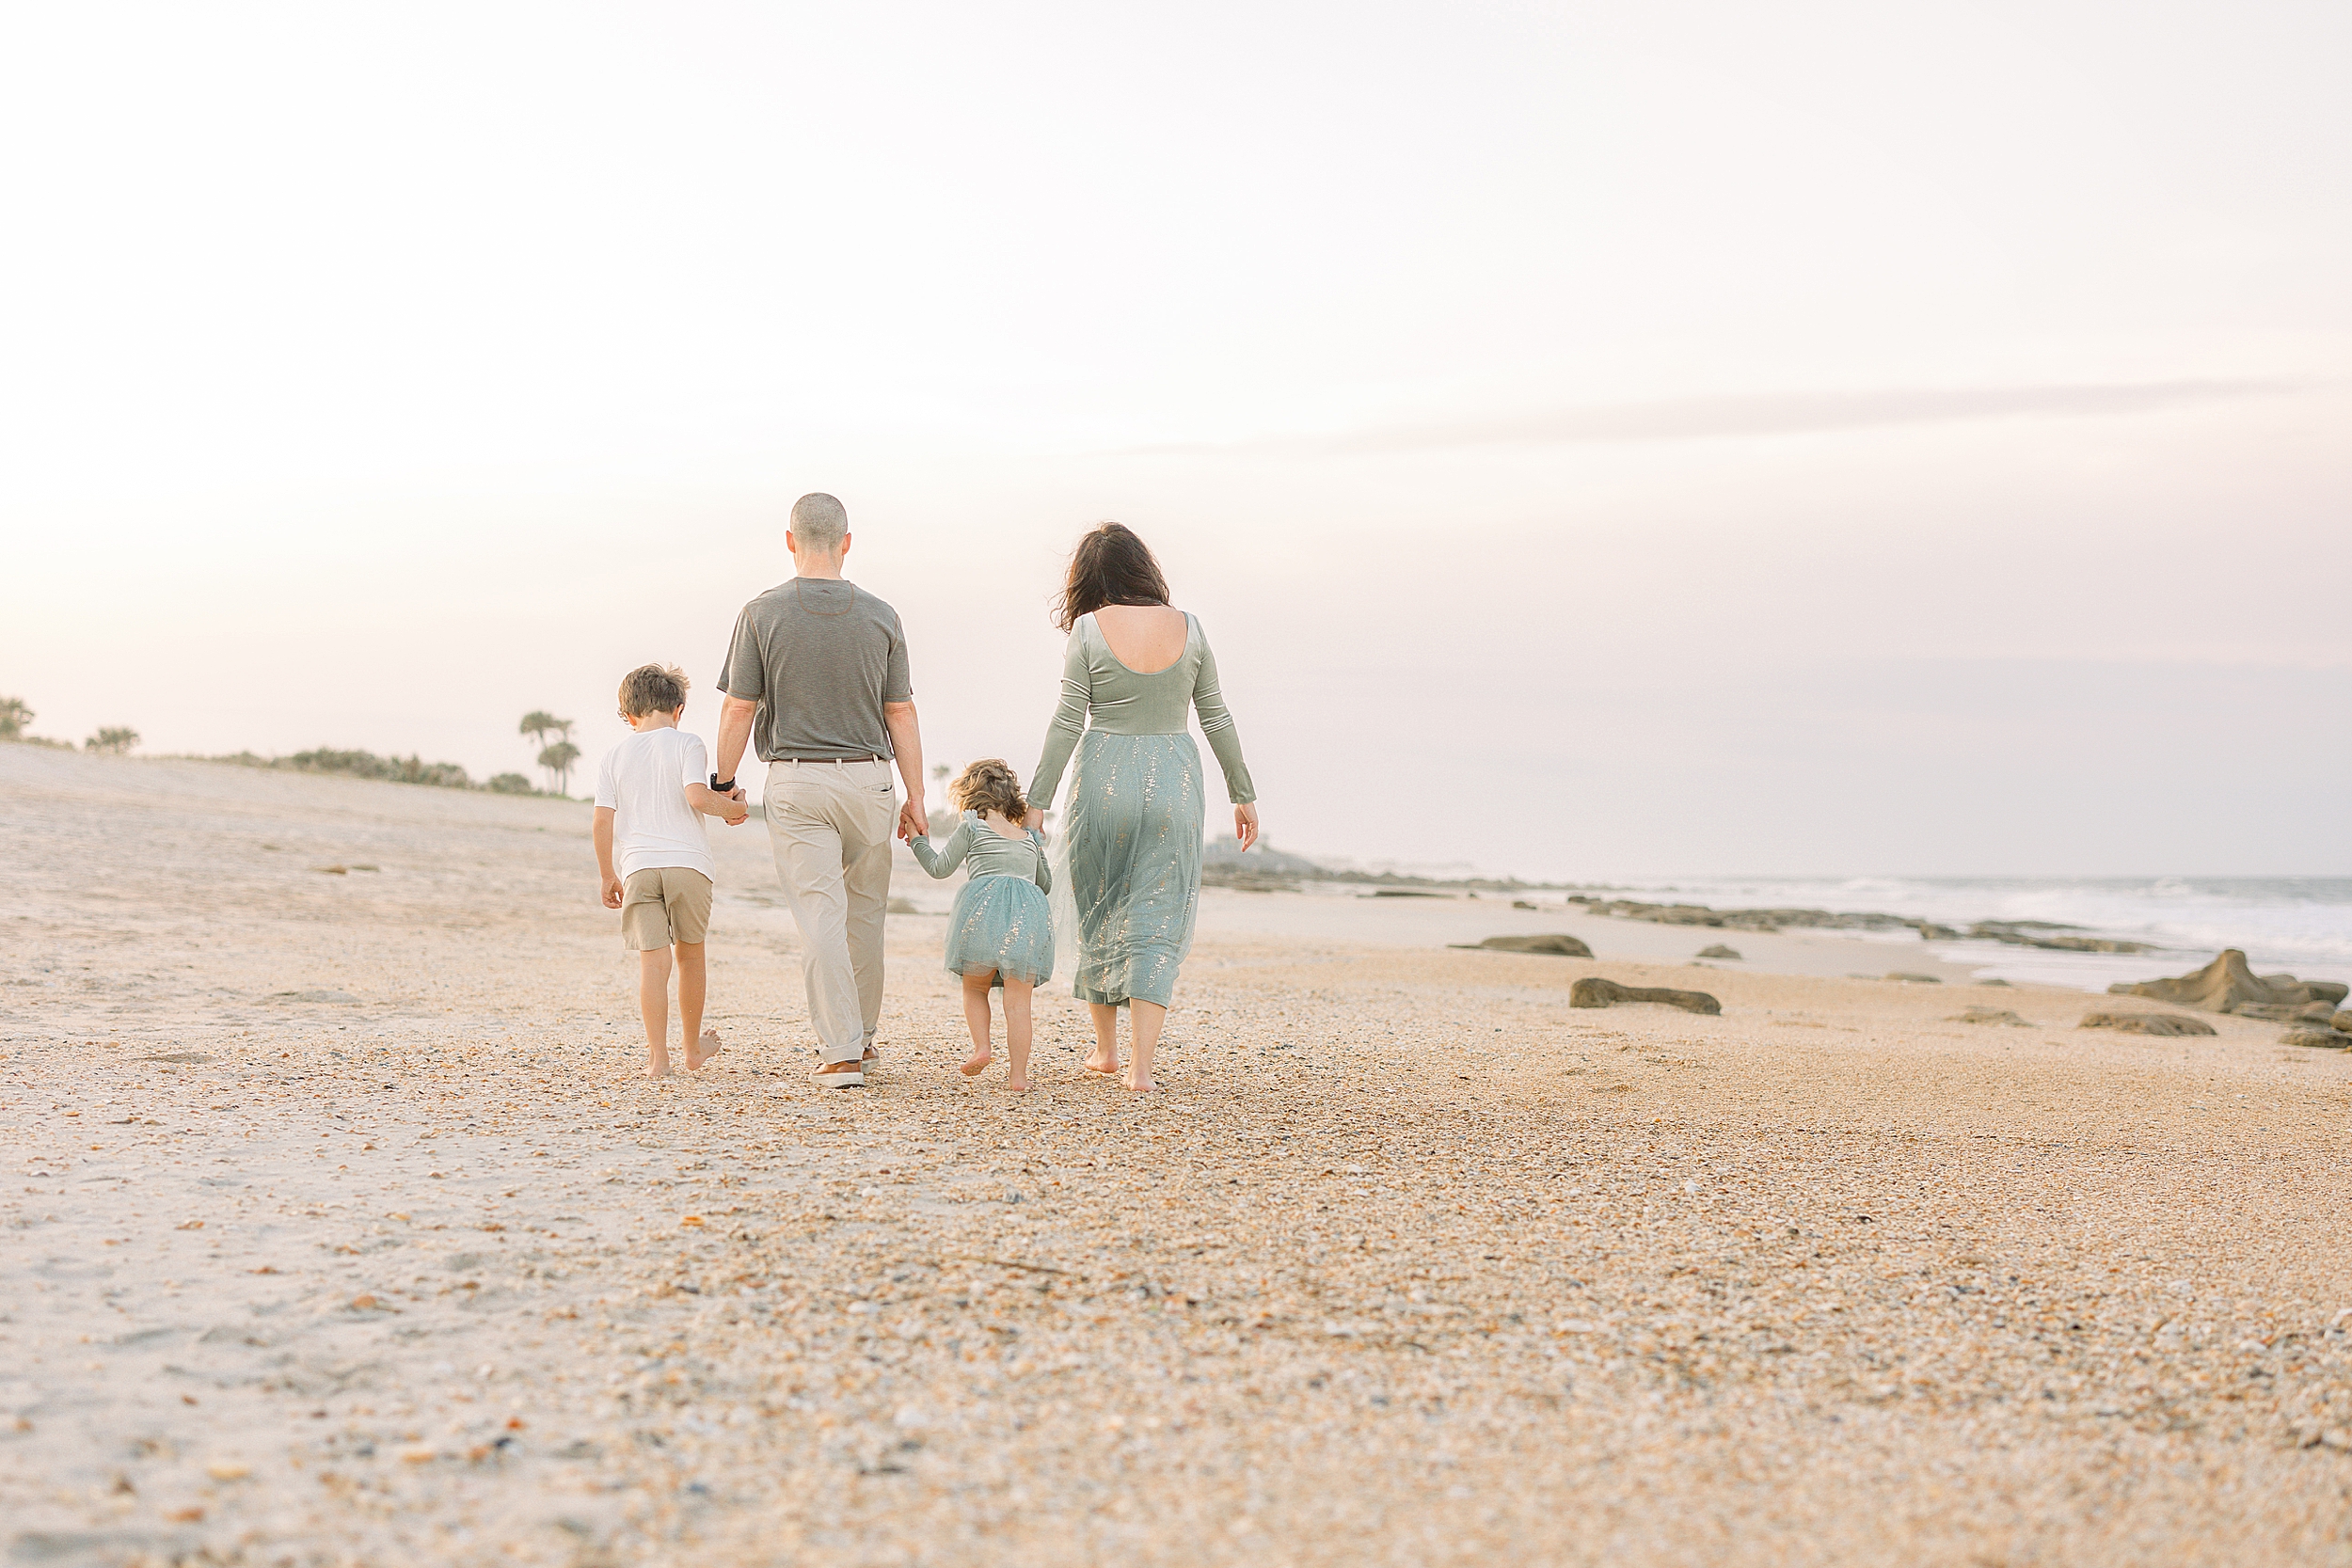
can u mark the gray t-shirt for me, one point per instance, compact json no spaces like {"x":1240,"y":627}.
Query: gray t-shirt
{"x":821,"y":656}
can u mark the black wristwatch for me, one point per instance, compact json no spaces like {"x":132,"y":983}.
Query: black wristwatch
{"x":718,"y":788}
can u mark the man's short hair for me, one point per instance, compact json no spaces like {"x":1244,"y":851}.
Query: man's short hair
{"x":820,"y":522}
{"x":653,"y":688}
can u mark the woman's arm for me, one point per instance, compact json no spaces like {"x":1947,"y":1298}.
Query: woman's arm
{"x":943,"y":860}
{"x":1217,"y":722}
{"x":1069,"y":722}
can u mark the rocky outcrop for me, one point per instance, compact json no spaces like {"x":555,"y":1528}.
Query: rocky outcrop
{"x":1594,"y":991}
{"x":2147,"y":1023}
{"x":1557,"y":943}
{"x":2344,"y":1021}
{"x":2283,"y":1012}
{"x":1760,"y":920}
{"x":2228,"y":982}
{"x":1719,"y":951}
{"x":1989,"y":1015}
{"x":2038,"y":933}
{"x":2316,"y":1037}
{"x":1917,"y":979}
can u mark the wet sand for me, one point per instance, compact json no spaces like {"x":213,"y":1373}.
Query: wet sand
{"x":339,"y":1227}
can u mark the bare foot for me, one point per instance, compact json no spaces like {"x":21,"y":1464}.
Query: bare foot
{"x":1012,"y":1088}
{"x":1147,"y":1087}
{"x":976,"y":1063}
{"x":661,"y":1070}
{"x":1099,"y":1060}
{"x":702,"y":1050}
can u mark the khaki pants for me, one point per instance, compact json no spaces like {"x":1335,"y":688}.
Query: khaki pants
{"x":831,"y":824}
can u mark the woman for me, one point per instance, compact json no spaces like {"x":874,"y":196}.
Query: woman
{"x":1137,"y":666}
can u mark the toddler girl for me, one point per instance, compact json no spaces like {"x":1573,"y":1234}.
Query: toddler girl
{"x":1000,"y":932}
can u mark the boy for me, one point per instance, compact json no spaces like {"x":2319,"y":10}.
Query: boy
{"x":650,"y":800}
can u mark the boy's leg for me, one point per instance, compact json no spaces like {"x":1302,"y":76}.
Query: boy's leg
{"x":687,"y":892}
{"x":653,"y":1001}
{"x":692,"y":980}
{"x":808,"y":848}
{"x":1017,"y":1036}
{"x":976,"y":1014}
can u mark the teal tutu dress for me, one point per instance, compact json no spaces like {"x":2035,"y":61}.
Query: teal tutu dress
{"x":1000,"y":922}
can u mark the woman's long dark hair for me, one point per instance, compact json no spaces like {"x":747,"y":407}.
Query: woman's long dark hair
{"x":1109,"y":566}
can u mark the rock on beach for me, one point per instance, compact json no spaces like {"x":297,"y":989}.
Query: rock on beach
{"x":2147,"y":1023}
{"x":2228,"y":982}
{"x":1557,"y":943}
{"x":1594,"y":991}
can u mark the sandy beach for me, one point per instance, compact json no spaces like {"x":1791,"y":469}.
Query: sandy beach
{"x":340,"y":1227}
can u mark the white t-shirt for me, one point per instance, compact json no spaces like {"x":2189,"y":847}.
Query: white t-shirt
{"x":643,"y":779}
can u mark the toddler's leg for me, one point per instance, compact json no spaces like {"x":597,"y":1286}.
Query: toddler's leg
{"x":976,"y":1014}
{"x":1104,"y":1056}
{"x":692,"y":982}
{"x":1017,"y":1035}
{"x":653,"y":999}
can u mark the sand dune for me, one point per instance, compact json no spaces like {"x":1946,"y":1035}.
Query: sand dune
{"x":339,"y":1228}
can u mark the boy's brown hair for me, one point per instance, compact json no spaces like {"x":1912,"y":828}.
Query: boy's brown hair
{"x":653,"y":688}
{"x":990,"y":784}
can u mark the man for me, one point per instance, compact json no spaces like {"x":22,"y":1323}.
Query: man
{"x":817,"y":680}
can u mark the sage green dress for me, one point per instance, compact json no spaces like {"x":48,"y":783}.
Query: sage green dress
{"x":1000,"y":923}
{"x":1133,"y":829}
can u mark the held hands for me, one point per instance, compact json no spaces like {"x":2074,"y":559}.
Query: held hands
{"x":612,"y":890}
{"x":913,"y":822}
{"x":1246,"y":824}
{"x":739,"y":795}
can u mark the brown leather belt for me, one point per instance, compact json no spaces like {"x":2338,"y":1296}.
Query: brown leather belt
{"x":806,"y":760}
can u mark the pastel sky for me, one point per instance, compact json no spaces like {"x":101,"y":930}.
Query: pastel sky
{"x":1599,"y":438}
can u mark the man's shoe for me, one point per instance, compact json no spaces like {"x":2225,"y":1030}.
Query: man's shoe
{"x":852,"y":1077}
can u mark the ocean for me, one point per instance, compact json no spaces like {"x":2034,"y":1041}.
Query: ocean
{"x":2299,"y":925}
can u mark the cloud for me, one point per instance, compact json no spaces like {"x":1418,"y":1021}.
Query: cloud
{"x":1766,"y":413}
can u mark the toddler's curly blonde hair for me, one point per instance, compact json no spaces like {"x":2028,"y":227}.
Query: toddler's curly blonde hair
{"x":990,"y":784}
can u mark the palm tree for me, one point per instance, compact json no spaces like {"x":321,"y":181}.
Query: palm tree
{"x":14,"y":715}
{"x":115,"y":738}
{"x":539,"y":725}
{"x":558,"y":759}
{"x":939,"y":776}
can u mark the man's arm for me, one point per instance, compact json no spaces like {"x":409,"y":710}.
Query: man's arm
{"x":735,"y":733}
{"x":608,"y":880}
{"x":906,"y":741}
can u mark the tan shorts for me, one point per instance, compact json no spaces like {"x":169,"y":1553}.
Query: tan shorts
{"x":664,"y":904}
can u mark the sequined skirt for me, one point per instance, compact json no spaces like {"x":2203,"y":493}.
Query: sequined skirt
{"x":1001,"y":923}
{"x":1134,"y":869}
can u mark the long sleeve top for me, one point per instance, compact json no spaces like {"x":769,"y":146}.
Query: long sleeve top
{"x":988,"y":852}
{"x":1096,"y":685}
